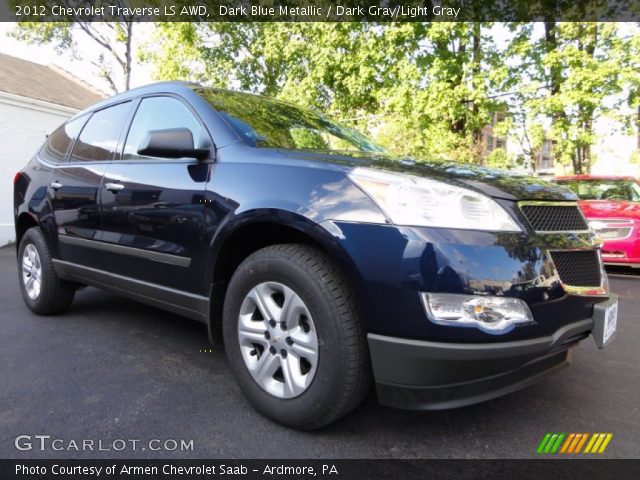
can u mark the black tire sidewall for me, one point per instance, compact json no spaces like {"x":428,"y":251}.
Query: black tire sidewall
{"x":33,"y":237}
{"x":325,"y":387}
{"x":55,"y":294}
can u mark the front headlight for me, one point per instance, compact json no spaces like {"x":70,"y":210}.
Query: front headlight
{"x":416,"y":201}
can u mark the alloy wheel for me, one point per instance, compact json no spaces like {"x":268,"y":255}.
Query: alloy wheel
{"x":278,"y":339}
{"x":31,"y":271}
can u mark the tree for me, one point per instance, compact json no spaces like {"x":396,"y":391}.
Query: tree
{"x":531,"y":136}
{"x":460,"y":69}
{"x":632,"y":80}
{"x":421,"y":89}
{"x":572,"y":75}
{"x":113,"y":40}
{"x":173,"y":50}
{"x":499,"y":158}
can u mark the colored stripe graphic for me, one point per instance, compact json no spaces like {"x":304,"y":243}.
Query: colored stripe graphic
{"x":550,"y":443}
{"x":543,"y":443}
{"x":567,"y":442}
{"x":605,"y":442}
{"x":576,"y":440}
{"x":592,"y":440}
{"x":583,"y":439}
{"x":572,"y":443}
{"x":555,"y":447}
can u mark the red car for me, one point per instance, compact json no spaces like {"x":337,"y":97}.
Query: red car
{"x":612,"y":206}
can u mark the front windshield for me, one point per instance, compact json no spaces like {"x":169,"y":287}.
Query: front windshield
{"x":602,"y":189}
{"x":262,"y":122}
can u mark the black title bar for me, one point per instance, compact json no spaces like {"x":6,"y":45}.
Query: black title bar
{"x":318,"y":469}
{"x":318,"y":10}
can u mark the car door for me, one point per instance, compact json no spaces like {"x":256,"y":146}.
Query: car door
{"x":76,"y":184}
{"x":153,"y":208}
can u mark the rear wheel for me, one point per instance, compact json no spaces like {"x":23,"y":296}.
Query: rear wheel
{"x":42,"y":290}
{"x":293,"y":336}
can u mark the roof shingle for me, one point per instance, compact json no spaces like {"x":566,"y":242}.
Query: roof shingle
{"x":41,"y":82}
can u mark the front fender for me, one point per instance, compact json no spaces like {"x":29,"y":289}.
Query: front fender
{"x":291,"y":195}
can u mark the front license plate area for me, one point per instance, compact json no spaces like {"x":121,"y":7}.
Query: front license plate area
{"x":605,"y":317}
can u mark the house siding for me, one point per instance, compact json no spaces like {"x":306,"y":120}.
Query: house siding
{"x":24,"y":124}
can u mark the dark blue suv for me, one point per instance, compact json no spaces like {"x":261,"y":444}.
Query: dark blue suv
{"x":324,"y":263}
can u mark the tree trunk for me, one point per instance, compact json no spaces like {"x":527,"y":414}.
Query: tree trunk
{"x":587,"y":112}
{"x":551,"y":44}
{"x":459,"y":124}
{"x":475,"y":73}
{"x":577,"y":163}
{"x":127,"y":61}
{"x":586,"y":155}
{"x":555,"y":76}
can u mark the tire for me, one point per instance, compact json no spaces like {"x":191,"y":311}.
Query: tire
{"x":54,"y":295}
{"x":341,"y":368}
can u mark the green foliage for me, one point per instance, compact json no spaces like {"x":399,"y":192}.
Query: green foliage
{"x":420,"y":89}
{"x":113,"y":42}
{"x":173,"y":50}
{"x":56,"y":33}
{"x":499,"y":159}
{"x":305,"y":138}
{"x":571,"y":75}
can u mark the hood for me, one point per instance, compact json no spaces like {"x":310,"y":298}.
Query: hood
{"x":610,"y":209}
{"x":494,"y":183}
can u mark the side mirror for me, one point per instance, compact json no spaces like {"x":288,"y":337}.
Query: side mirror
{"x":171,"y":143}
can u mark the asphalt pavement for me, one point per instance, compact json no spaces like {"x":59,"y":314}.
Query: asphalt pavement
{"x":113,"y":370}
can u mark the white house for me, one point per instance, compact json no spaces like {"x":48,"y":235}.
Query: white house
{"x":34,"y":100}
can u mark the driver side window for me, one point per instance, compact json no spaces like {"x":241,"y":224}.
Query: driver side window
{"x":159,"y":113}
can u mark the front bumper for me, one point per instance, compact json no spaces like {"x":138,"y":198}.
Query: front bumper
{"x":620,"y":255}
{"x":391,"y":266}
{"x":620,"y":251}
{"x":624,"y":252}
{"x":426,"y":375}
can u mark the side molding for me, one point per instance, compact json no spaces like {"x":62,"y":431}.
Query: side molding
{"x":182,"y":303}
{"x":124,"y":250}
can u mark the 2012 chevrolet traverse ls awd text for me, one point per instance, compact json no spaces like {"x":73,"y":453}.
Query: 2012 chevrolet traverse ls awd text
{"x":325,"y":263}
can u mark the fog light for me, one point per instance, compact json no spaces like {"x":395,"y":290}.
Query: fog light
{"x":494,"y":315}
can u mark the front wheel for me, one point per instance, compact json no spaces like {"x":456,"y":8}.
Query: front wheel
{"x":42,"y":290}
{"x":293,"y":337}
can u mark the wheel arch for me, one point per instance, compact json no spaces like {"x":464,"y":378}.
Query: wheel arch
{"x":24,"y":222}
{"x":256,"y":230}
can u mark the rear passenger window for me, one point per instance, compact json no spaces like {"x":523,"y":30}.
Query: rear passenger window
{"x":58,"y":143}
{"x":99,"y":138}
{"x":159,"y":113}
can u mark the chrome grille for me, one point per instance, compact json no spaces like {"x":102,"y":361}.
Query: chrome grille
{"x":610,"y":229}
{"x":554,"y":218}
{"x":578,"y":268}
{"x":609,"y":233}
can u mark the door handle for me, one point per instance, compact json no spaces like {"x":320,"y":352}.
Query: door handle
{"x":55,"y":185}
{"x":113,"y":187}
